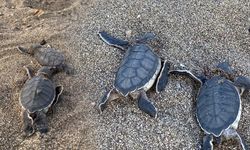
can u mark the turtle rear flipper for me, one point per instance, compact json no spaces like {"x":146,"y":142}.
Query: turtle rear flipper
{"x":28,"y":72}
{"x":110,"y":40}
{"x":108,"y":96}
{"x":207,"y":142}
{"x":40,"y":122}
{"x":146,"y":106}
{"x":189,"y":74}
{"x":218,"y":140}
{"x":232,"y":133}
{"x":59,"y":90}
{"x":163,"y":77}
{"x":27,"y":124}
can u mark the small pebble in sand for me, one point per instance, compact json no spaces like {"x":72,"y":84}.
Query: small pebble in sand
{"x":93,"y":103}
{"x":128,"y":33}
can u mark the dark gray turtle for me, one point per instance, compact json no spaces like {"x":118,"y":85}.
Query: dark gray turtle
{"x":137,"y":73}
{"x":46,"y":56}
{"x":218,"y":107}
{"x":37,"y":96}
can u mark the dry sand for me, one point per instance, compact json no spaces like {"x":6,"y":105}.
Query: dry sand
{"x":193,"y":33}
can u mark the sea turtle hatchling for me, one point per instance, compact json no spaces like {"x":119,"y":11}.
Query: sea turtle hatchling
{"x":46,"y":56}
{"x":36,"y":97}
{"x":137,"y":73}
{"x":218,"y":104}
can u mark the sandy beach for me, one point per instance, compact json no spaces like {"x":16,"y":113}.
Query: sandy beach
{"x":194,"y":33}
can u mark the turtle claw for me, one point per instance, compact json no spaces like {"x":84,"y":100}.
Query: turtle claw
{"x":146,"y":106}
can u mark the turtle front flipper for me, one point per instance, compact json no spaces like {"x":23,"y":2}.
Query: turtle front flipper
{"x":207,"y":142}
{"x":27,"y":124}
{"x":110,"y":40}
{"x":108,"y":96}
{"x":162,"y":80}
{"x":146,"y":106}
{"x":30,"y":50}
{"x":40,"y":122}
{"x":189,"y":74}
{"x":23,"y":49}
{"x":242,"y":82}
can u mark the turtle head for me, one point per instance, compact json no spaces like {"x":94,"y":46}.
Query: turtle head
{"x":47,"y":71}
{"x":145,"y":38}
{"x":243,"y":83}
{"x":30,"y":50}
{"x":225,"y":69}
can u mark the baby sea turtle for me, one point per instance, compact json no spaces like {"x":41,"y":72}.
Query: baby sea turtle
{"x":46,"y":56}
{"x":218,"y":107}
{"x":37,"y":96}
{"x":137,"y":73}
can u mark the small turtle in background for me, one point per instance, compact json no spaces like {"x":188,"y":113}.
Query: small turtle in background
{"x":37,"y":95}
{"x":46,"y":56}
{"x":218,"y":106}
{"x":138,"y":72}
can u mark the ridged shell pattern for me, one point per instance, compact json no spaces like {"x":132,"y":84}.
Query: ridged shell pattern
{"x":139,"y":66}
{"x":49,"y":57}
{"x":218,"y":105}
{"x":37,"y":94}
